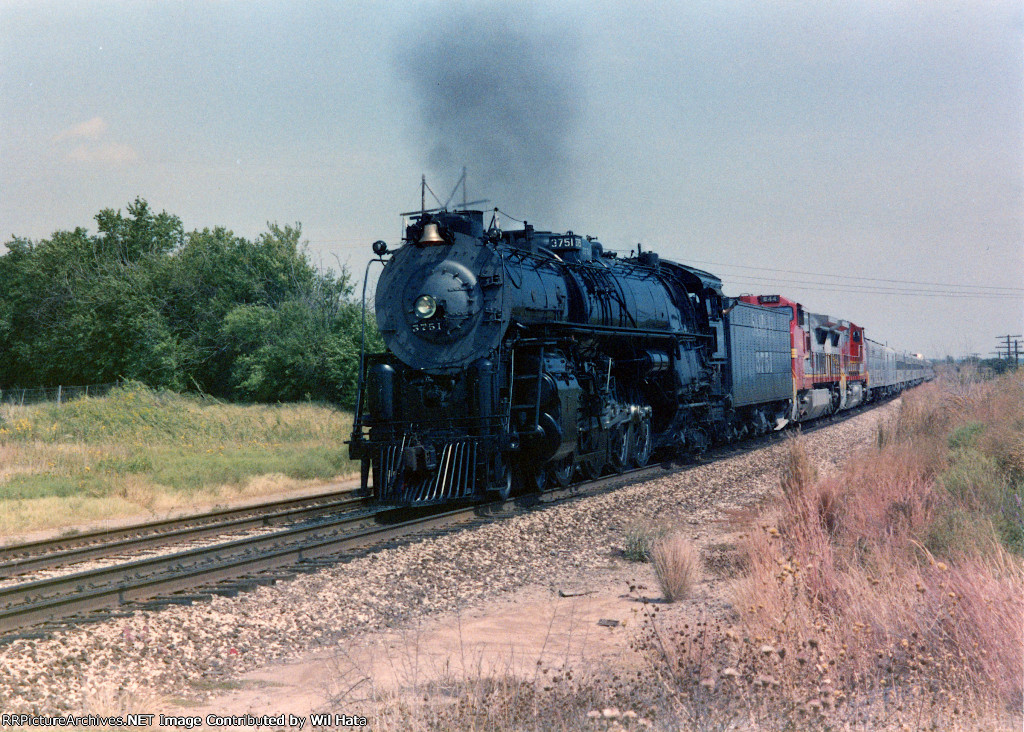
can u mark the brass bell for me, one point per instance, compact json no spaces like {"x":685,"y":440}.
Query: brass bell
{"x":431,"y":235}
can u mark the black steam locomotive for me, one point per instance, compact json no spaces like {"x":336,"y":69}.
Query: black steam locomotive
{"x":521,"y":357}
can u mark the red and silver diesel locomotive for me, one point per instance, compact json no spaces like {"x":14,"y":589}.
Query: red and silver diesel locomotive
{"x":521,"y":357}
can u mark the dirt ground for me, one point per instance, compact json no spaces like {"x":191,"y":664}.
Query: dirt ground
{"x":586,"y":625}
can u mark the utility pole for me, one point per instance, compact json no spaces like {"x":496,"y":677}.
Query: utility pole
{"x":1008,"y":350}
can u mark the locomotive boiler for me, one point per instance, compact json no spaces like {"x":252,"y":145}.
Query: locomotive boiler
{"x":518,"y":358}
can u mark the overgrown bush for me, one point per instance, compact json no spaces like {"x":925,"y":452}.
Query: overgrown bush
{"x":205,"y":310}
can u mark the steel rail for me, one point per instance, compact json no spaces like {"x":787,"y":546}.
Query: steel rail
{"x":223,"y":522}
{"x":58,"y":598}
{"x":125,"y":574}
{"x":9,"y":552}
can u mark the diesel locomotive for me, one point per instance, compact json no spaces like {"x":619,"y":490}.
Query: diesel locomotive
{"x":519,"y":358}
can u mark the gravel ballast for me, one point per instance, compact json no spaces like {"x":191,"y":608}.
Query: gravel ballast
{"x":182,"y":650}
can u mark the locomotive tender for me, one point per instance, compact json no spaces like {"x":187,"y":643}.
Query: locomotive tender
{"x":521,"y":357}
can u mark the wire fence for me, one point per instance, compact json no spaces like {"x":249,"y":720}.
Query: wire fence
{"x":57,"y":394}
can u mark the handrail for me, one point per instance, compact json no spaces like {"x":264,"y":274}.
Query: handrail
{"x":361,"y":383}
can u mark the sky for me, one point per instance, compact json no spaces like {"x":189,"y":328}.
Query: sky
{"x":863,"y":157}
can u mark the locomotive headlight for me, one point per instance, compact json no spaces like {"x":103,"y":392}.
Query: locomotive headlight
{"x":425,"y":307}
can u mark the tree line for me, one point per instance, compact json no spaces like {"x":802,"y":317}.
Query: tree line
{"x":207,"y":311}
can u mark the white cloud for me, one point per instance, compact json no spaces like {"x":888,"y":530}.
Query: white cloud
{"x":110,"y":153}
{"x":85,"y":143}
{"x":91,"y":129}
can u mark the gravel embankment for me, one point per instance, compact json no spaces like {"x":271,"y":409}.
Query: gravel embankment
{"x":177,"y":650}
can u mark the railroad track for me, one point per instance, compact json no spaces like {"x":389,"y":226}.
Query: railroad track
{"x":18,"y":559}
{"x":229,"y":567}
{"x":32,"y":609}
{"x":160,"y":579}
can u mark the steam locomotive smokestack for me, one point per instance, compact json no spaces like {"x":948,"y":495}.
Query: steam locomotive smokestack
{"x":498,"y":95}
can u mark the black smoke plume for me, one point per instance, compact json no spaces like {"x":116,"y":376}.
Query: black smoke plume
{"x":496,"y":92}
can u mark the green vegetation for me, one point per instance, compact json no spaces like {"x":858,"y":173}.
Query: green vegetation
{"x":984,"y":498}
{"x":964,"y":437}
{"x":206,"y":310}
{"x":638,"y":541}
{"x":142,"y":449}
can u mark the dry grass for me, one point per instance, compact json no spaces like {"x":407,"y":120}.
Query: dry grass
{"x":117,"y":698}
{"x":889,"y":595}
{"x":676,"y":564}
{"x":137,"y":452}
{"x":907,"y":621}
{"x":798,"y":470}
